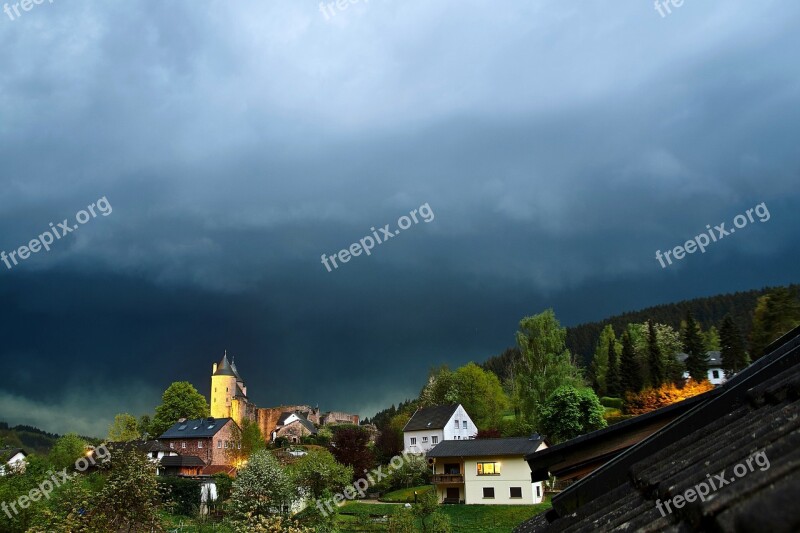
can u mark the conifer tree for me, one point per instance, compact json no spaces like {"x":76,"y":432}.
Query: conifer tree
{"x":734,"y":357}
{"x":693,"y":345}
{"x":630,"y":375}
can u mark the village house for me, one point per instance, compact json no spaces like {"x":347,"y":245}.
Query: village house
{"x":211,"y":440}
{"x":486,"y":471}
{"x":432,"y":425}
{"x":12,"y":459}
{"x":293,"y":426}
{"x":716,"y":375}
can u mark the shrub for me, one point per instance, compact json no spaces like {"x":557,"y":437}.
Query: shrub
{"x":182,"y":494}
{"x":570,"y":412}
{"x":667,"y":394}
{"x":615,"y":403}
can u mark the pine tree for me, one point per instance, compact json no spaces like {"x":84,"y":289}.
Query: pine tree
{"x":734,"y":357}
{"x":654,"y":359}
{"x":776,"y":313}
{"x":693,"y":345}
{"x":630,"y":375}
{"x":612,"y":376}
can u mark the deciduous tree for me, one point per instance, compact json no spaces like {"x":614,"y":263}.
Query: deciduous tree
{"x":180,"y":400}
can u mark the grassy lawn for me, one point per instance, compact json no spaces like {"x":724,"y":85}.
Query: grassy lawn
{"x":469,"y":518}
{"x":405,"y":495}
{"x":185,"y":524}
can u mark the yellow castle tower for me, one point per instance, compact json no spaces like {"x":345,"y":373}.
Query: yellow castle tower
{"x":224,"y":389}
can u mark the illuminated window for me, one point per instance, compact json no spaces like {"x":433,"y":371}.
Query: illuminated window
{"x":488,"y":469}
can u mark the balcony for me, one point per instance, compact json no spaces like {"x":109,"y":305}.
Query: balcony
{"x":447,"y":478}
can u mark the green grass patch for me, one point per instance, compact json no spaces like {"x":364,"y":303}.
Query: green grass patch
{"x":405,"y":495}
{"x":467,"y":518}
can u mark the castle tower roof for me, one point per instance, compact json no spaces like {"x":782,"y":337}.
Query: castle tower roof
{"x":224,"y":367}
{"x":236,"y":372}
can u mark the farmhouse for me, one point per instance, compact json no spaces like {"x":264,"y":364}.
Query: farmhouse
{"x":486,"y":471}
{"x":432,"y":425}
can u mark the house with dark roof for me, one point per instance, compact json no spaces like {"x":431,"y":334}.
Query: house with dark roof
{"x":293,"y":426}
{"x":209,"y":439}
{"x":153,"y":449}
{"x":729,"y":464}
{"x":431,"y":425}
{"x":12,"y":459}
{"x":715,"y":373}
{"x":486,"y":471}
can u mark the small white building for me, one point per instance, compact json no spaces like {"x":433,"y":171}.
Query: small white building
{"x":433,"y":425}
{"x":486,"y":471}
{"x":11,"y":460}
{"x":715,"y":373}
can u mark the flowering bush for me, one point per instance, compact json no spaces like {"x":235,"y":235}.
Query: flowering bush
{"x":667,"y":394}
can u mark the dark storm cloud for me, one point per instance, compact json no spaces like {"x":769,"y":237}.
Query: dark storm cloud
{"x":558,"y":147}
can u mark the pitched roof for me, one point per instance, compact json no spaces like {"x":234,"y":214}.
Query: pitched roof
{"x":486,"y":447}
{"x":182,"y":460}
{"x":197,"y":428}
{"x":757,"y":411}
{"x":7,"y":453}
{"x":714,"y":358}
{"x":431,"y":418}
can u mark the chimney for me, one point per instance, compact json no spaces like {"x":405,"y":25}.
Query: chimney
{"x":214,"y":368}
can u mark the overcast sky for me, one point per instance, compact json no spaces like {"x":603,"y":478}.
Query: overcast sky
{"x":558,"y":145}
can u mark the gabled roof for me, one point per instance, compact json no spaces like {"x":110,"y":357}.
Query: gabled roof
{"x":301,"y":419}
{"x":758,"y":410}
{"x":182,"y":461}
{"x":197,"y":428}
{"x":431,"y":418}
{"x":486,"y":447}
{"x":7,"y":453}
{"x":714,"y":358}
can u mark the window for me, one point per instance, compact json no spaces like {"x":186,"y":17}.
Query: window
{"x":424,"y":440}
{"x":413,"y":441}
{"x":538,"y":491}
{"x":464,"y":424}
{"x":456,"y":424}
{"x":219,"y":444}
{"x":516,"y":492}
{"x":199,"y":444}
{"x":172,"y":445}
{"x":488,"y":493}
{"x":488,"y":469}
{"x":226,"y":444}
{"x":434,"y":440}
{"x":183,"y":445}
{"x":716,"y":374}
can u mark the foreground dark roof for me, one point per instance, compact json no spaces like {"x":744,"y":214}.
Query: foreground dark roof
{"x":580,"y":456}
{"x":757,"y":411}
{"x":431,"y":418}
{"x":195,"y":429}
{"x":486,"y":447}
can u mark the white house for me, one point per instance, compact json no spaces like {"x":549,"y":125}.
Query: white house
{"x":12,"y":459}
{"x":433,"y":425}
{"x":715,"y":373}
{"x":486,"y":471}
